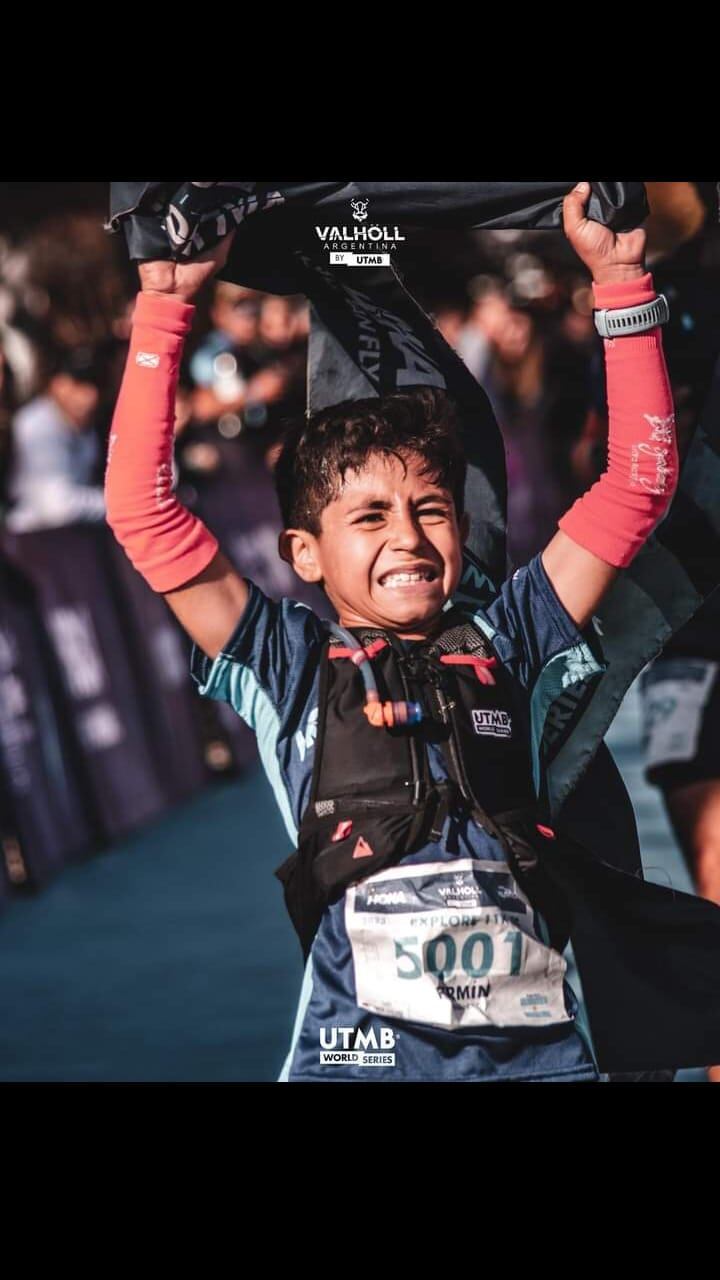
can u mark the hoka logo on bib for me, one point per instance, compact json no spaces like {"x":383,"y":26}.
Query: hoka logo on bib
{"x":350,"y":1046}
{"x":498,"y":724}
{"x":386,"y":898}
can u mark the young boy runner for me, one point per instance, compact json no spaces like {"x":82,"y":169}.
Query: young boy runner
{"x":427,"y":957}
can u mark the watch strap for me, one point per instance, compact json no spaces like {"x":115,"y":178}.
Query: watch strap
{"x":622,"y":322}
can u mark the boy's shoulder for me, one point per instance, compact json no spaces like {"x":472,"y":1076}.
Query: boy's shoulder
{"x":274,"y":648}
{"x":292,"y":618}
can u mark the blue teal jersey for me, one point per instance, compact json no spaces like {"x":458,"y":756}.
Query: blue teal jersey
{"x":437,"y":968}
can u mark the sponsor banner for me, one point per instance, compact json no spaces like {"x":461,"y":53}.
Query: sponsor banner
{"x":161,"y":657}
{"x":71,"y":572}
{"x":43,"y":815}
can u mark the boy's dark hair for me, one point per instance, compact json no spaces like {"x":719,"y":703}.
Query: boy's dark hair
{"x":317,"y":451}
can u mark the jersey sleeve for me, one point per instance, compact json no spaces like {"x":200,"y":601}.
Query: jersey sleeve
{"x":268,"y":673}
{"x":531,"y":631}
{"x":269,"y":661}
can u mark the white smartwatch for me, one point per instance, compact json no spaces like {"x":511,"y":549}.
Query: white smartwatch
{"x":621,"y":322}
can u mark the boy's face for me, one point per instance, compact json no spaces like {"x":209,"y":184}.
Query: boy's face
{"x":390,"y":549}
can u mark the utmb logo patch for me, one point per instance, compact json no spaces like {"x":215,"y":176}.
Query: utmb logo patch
{"x":497,"y":724}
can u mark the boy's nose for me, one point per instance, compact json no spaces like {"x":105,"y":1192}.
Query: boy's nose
{"x":406,"y":531}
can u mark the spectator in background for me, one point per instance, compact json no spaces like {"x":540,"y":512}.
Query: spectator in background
{"x":55,"y":452}
{"x":278,"y":391}
{"x":228,"y":357}
{"x":536,"y":379}
{"x":250,"y":369}
{"x":276,"y":328}
{"x":453,"y":319}
{"x":248,"y":375}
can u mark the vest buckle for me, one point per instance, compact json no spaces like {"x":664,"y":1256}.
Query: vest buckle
{"x":447,"y":796}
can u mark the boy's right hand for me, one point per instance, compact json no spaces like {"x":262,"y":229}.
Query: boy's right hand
{"x":611,"y":257}
{"x":184,"y":279}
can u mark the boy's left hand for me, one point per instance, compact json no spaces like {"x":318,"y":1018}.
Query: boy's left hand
{"x":183,"y":279}
{"x":610,"y":256}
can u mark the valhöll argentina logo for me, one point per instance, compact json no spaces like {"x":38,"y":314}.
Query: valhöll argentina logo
{"x":362,"y":244}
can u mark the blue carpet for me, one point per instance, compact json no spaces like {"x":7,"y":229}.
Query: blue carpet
{"x":169,"y":957}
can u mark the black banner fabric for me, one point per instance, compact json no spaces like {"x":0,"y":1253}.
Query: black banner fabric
{"x":68,"y":568}
{"x":648,"y":962}
{"x":160,"y":654}
{"x":46,"y":819}
{"x":165,"y":219}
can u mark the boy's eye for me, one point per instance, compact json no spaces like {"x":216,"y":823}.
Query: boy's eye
{"x":423,"y":513}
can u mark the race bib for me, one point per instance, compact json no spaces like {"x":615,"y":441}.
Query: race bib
{"x":675,"y":694}
{"x":452,"y":945}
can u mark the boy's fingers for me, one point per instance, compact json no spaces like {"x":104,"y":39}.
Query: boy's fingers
{"x":574,"y":205}
{"x":158,"y":276}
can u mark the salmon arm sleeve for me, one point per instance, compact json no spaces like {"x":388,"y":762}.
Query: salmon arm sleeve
{"x":165,"y":542}
{"x":617,"y":515}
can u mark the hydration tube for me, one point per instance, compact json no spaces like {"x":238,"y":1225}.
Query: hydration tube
{"x":380,"y":714}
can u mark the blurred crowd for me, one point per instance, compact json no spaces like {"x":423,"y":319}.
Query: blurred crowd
{"x":517,"y":306}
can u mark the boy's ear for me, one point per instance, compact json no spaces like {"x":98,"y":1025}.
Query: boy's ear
{"x":464,"y":526}
{"x":299,"y":549}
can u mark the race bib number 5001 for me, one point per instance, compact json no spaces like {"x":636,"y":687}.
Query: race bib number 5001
{"x":452,"y":945}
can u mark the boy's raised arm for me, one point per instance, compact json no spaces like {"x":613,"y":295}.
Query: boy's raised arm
{"x":604,"y":530}
{"x":173,"y":550}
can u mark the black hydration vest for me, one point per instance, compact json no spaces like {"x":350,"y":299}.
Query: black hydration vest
{"x":648,"y":956}
{"x":373,"y":798}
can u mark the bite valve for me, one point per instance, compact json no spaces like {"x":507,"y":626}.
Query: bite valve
{"x":388,"y":714}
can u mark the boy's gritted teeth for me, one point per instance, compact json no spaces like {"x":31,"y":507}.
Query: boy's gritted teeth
{"x":409,"y":576}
